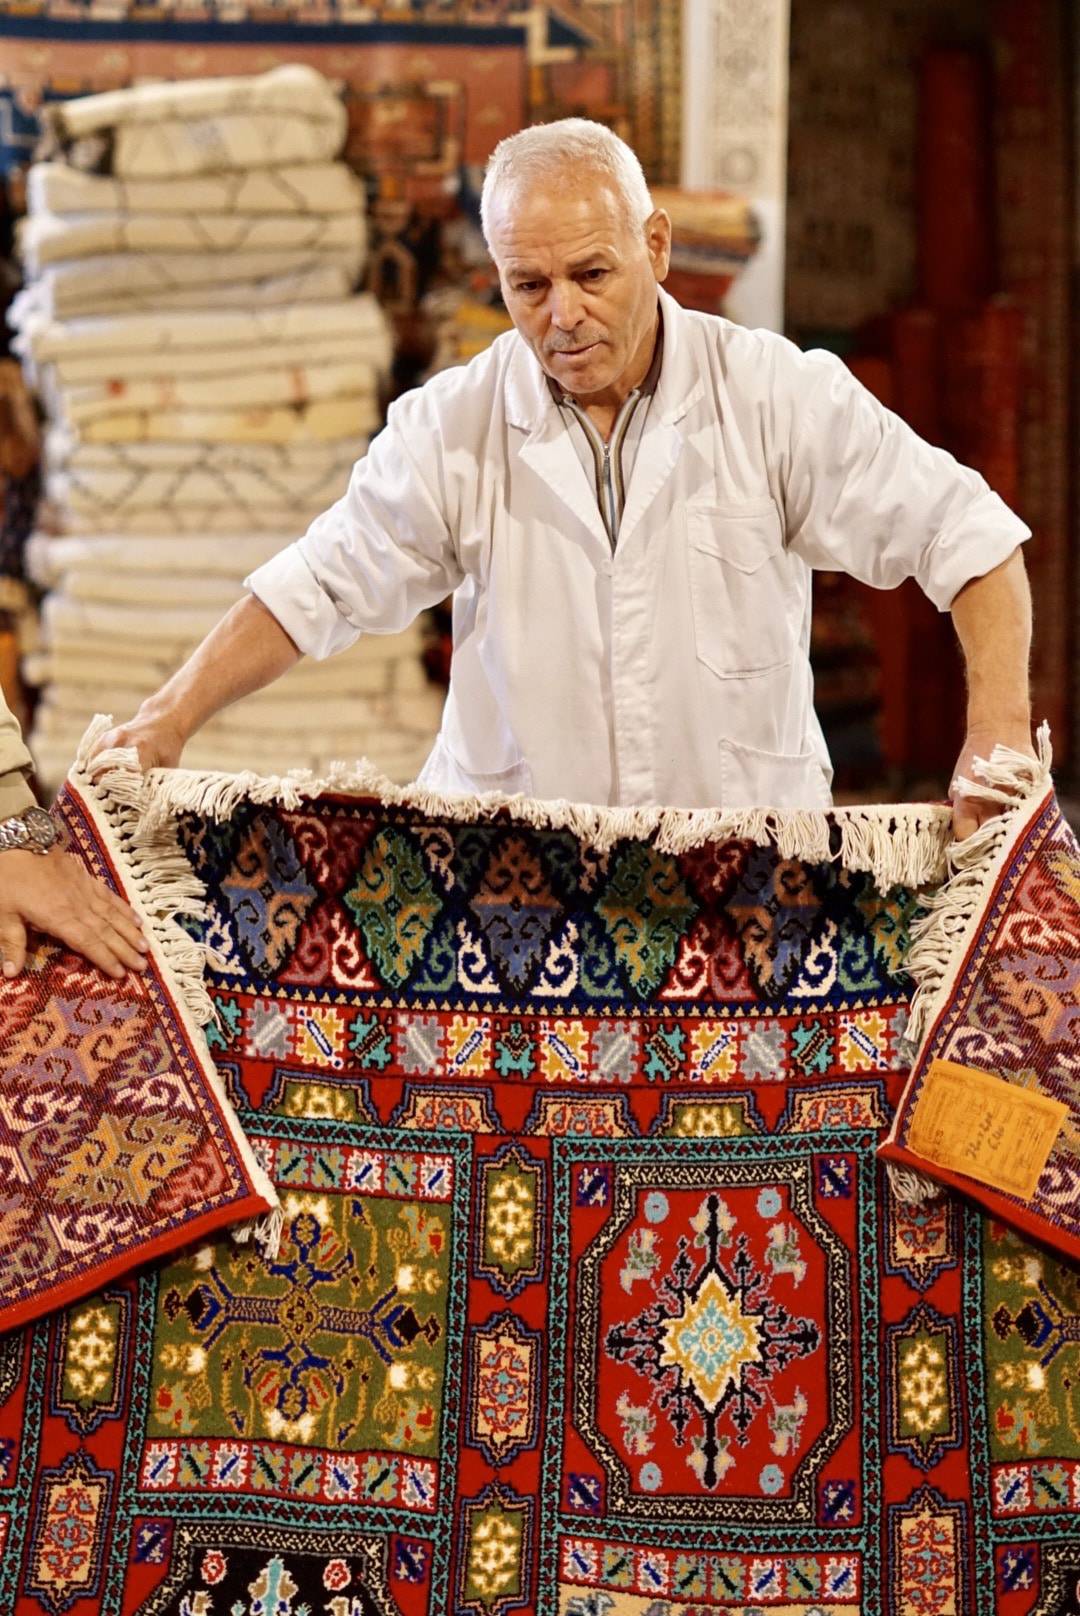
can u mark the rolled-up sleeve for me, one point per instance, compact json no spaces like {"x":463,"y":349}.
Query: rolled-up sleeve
{"x":867,"y":496}
{"x":15,"y":762}
{"x":374,"y":560}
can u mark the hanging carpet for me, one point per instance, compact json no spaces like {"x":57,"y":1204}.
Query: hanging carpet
{"x":992,"y":1106}
{"x":592,"y":1297}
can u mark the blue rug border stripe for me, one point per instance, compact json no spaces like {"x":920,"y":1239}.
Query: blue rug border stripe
{"x":126,"y":30}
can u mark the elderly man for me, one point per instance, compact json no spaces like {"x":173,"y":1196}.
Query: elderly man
{"x":627,"y":501}
{"x":42,"y":886}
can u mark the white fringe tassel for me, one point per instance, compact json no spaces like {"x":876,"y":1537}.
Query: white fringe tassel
{"x":168,"y":887}
{"x":266,"y":1231}
{"x":168,"y":891}
{"x":899,"y":845}
{"x":939,"y":940}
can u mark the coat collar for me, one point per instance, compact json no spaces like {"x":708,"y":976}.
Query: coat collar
{"x":527,"y":398}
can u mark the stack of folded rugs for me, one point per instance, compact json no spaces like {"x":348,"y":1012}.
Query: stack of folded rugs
{"x":209,"y":379}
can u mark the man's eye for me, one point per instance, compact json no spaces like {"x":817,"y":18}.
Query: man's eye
{"x":595,"y":274}
{"x":527,"y":286}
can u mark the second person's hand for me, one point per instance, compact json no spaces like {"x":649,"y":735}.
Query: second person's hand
{"x":52,"y":893}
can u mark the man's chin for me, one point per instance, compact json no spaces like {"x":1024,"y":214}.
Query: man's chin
{"x":581,"y":373}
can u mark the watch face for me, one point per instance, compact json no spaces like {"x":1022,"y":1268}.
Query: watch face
{"x":41,"y":827}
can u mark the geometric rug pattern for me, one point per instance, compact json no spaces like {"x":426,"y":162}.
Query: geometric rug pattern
{"x":117,"y":1144}
{"x":591,"y":1298}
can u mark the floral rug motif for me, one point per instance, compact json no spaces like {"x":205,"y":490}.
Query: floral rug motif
{"x":117,"y":1144}
{"x":1009,"y":1005}
{"x":592,"y":1297}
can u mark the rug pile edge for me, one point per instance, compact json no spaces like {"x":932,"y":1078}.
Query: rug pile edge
{"x":899,"y":844}
{"x":164,"y":890}
{"x":942,"y":940}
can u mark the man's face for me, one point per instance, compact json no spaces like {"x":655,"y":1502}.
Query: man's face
{"x":580,"y":280}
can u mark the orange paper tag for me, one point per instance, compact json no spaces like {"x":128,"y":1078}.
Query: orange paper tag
{"x":976,"y":1123}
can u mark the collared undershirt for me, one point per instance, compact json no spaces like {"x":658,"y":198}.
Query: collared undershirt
{"x":609,"y":466}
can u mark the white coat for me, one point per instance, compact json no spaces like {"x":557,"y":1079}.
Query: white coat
{"x":675,"y":671}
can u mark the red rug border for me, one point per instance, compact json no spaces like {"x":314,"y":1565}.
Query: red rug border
{"x":120,"y":1266}
{"x":166,"y":982}
{"x":1002,"y":1206}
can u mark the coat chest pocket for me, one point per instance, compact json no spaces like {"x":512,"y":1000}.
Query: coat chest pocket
{"x":738,"y":588}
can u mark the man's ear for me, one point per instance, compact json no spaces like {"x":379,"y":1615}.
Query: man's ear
{"x":658,"y":242}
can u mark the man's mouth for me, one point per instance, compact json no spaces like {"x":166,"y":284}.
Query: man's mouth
{"x":574,"y":353}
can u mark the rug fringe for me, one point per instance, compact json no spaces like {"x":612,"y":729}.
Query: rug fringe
{"x":938,"y":940}
{"x":168,"y":887}
{"x":168,"y":891}
{"x":899,"y":845}
{"x":265,"y":1231}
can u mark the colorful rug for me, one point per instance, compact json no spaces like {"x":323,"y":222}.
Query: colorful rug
{"x":117,"y":1144}
{"x":591,"y":1298}
{"x":993,"y":1103}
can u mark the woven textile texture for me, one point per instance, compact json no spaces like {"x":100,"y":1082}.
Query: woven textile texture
{"x":591,"y":1297}
{"x":117,"y":1144}
{"x":1010,"y":1006}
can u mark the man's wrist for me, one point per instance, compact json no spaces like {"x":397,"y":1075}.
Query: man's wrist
{"x":33,"y":831}
{"x":162,"y":709}
{"x":986,"y":736}
{"x":987,"y":721}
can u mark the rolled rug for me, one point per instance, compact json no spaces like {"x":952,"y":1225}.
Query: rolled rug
{"x":107,"y":370}
{"x":154,"y":131}
{"x":348,"y":320}
{"x":84,"y":285}
{"x":45,"y":239}
{"x":325,"y":282}
{"x":348,"y":418}
{"x":299,"y":188}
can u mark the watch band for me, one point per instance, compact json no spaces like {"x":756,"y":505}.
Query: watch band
{"x":34,"y":831}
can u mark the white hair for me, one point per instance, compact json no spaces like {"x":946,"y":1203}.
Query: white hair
{"x":547,"y":150}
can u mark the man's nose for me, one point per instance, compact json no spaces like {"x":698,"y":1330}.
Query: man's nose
{"x":565,"y":305}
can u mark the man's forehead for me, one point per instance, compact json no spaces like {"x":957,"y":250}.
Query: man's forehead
{"x":529,"y":243}
{"x":577,"y":208}
{"x":525,"y":250}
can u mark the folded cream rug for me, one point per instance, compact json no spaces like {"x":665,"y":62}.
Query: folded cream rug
{"x":55,"y":187}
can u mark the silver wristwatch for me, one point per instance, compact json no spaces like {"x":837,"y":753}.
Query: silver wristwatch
{"x":34,"y":831}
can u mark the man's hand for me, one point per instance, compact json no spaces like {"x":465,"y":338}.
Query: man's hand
{"x":53,"y":893}
{"x":158,"y":741}
{"x":969,"y":812}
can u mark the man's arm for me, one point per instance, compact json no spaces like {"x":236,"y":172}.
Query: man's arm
{"x":992,"y":617}
{"x":367,"y":565}
{"x":867,"y":496}
{"x":245,"y":651}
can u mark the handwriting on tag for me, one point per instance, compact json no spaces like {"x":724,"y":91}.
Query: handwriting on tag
{"x":976,"y":1123}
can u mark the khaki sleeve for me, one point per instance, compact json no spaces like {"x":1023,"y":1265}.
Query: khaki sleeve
{"x":15,"y":760}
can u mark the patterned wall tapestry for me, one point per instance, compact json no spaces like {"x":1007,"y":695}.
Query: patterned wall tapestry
{"x":851,"y":154}
{"x":853,"y":242}
{"x":735,"y":131}
{"x":429,"y":86}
